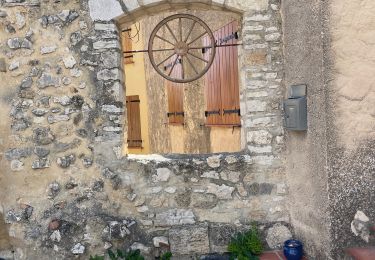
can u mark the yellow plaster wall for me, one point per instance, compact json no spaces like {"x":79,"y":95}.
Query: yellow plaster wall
{"x":135,"y":80}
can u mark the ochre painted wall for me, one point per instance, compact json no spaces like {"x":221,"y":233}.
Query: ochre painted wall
{"x":135,"y":83}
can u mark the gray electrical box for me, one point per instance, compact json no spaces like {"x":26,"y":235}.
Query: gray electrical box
{"x":295,"y":109}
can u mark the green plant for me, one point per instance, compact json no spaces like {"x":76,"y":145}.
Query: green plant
{"x":129,"y":255}
{"x":96,"y":257}
{"x":246,"y":246}
{"x":166,"y":256}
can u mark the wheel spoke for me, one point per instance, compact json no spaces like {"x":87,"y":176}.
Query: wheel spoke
{"x":191,"y":64}
{"x":182,"y":67}
{"x":195,"y":56}
{"x":161,"y":38}
{"x":170,"y":30}
{"x":191,"y":29}
{"x":165,"y":60}
{"x":196,"y":39}
{"x":180,"y":25}
{"x":158,"y":50}
{"x":173,"y":65}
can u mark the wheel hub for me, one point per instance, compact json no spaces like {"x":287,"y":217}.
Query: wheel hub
{"x":181,"y":48}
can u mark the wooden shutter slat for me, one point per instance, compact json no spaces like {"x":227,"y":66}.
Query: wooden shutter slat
{"x":222,"y":80}
{"x":134,"y":121}
{"x":175,"y":94}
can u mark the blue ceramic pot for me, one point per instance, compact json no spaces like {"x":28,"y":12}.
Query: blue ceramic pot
{"x":293,"y":249}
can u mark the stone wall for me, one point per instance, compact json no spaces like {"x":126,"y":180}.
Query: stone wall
{"x":66,"y":188}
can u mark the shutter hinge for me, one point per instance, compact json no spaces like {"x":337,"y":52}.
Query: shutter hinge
{"x":208,"y":113}
{"x":234,"y":111}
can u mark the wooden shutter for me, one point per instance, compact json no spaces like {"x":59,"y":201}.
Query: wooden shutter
{"x":127,"y":46}
{"x":175,"y":92}
{"x":134,"y":121}
{"x":222,"y":80}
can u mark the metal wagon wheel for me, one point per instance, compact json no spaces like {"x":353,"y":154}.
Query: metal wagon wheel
{"x":183,"y":46}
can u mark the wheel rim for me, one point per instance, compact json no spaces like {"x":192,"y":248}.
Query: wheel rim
{"x":182,"y":49}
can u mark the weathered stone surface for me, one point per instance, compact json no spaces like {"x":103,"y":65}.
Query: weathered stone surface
{"x":259,"y":137}
{"x":210,"y":175}
{"x":174,"y":217}
{"x":19,"y":43}
{"x":141,"y":247}
{"x":39,"y":111}
{"x":14,"y":65}
{"x":189,"y":240}
{"x":48,"y":49}
{"x":203,"y":201}
{"x":41,"y":163}
{"x":360,"y":226}
{"x":160,"y":241}
{"x":16,"y":165}
{"x":66,"y":161}
{"x":78,"y":249}
{"x":63,"y":100}
{"x":26,"y":83}
{"x":214,"y":161}
{"x":277,"y":235}
{"x":18,"y":153}
{"x":221,"y":191}
{"x":109,"y":74}
{"x":162,"y":175}
{"x":220,"y":236}
{"x":54,"y":189}
{"x":230,"y":176}
{"x":260,"y":188}
{"x":47,"y":80}
{"x":69,"y":61}
{"x":43,"y":136}
{"x":57,"y":118}
{"x":104,"y":10}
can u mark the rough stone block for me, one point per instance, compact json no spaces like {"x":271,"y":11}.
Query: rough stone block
{"x":174,"y":217}
{"x":277,"y":235}
{"x":104,"y":10}
{"x":189,"y":240}
{"x":220,"y":236}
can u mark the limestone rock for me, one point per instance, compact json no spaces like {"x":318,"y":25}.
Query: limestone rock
{"x":19,"y":43}
{"x":203,"y":201}
{"x":17,"y":153}
{"x":66,"y":161}
{"x":174,"y":217}
{"x":160,"y":241}
{"x":57,"y":118}
{"x":214,"y":161}
{"x":48,"y":49}
{"x":210,"y":175}
{"x":230,"y":176}
{"x":69,"y":61}
{"x":139,"y":246}
{"x":360,"y":226}
{"x":54,"y":189}
{"x":47,"y":80}
{"x":189,"y":240}
{"x":78,"y":249}
{"x":39,"y":111}
{"x":55,"y":236}
{"x":20,"y":20}
{"x":162,"y":175}
{"x":43,"y":136}
{"x":277,"y":235}
{"x":222,"y":192}
{"x":260,"y":137}
{"x":26,"y":83}
{"x":16,"y":165}
{"x":41,"y":152}
{"x":14,"y":65}
{"x":41,"y":163}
